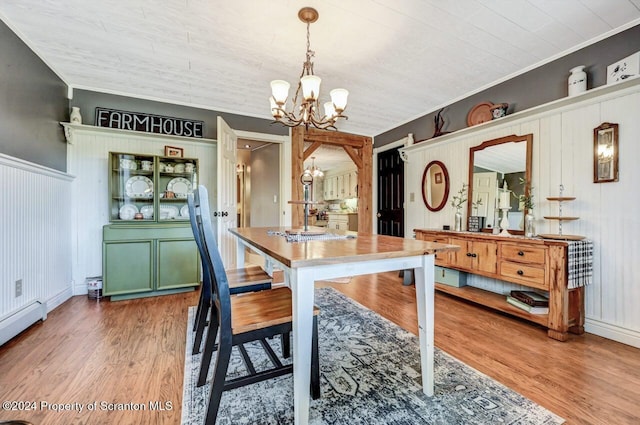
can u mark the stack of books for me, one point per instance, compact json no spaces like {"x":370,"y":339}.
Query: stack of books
{"x":529,"y":301}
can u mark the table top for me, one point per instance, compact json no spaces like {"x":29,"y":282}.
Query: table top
{"x":364,"y":247}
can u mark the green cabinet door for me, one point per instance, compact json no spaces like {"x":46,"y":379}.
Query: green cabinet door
{"x":177,"y":263}
{"x":148,"y":259}
{"x":131,"y":267}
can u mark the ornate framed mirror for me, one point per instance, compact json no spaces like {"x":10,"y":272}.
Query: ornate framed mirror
{"x":492,"y":164}
{"x":435,"y":186}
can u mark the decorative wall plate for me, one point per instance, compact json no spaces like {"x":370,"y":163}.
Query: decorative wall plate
{"x":480,"y":113}
{"x":139,"y":187}
{"x":184,"y":211}
{"x":128,"y":212}
{"x":147,"y":212}
{"x":180,"y":186}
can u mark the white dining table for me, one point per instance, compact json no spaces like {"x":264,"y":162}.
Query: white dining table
{"x":353,"y":254}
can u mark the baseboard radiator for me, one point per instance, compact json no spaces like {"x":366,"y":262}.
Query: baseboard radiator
{"x":17,"y":322}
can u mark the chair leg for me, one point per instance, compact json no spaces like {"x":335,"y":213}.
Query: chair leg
{"x":285,"y":339}
{"x":217,"y":384}
{"x":199,"y":310}
{"x":209,"y":347}
{"x":200,"y":325}
{"x":315,"y":362}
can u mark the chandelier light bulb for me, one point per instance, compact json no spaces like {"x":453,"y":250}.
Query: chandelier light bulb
{"x":275,"y":109}
{"x":310,"y":87}
{"x":339,"y":98}
{"x":329,"y":110}
{"x":280,"y":91}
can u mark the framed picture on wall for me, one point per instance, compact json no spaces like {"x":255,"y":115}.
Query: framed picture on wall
{"x":438,"y":177}
{"x":173,"y":151}
{"x":605,"y":153}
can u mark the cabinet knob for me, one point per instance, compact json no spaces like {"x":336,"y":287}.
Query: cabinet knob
{"x":520,"y":272}
{"x":468,"y":254}
{"x":215,"y":213}
{"x":378,"y":215}
{"x":474,"y":255}
{"x":521,"y":253}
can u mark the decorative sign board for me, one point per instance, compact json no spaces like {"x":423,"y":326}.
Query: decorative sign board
{"x":148,"y":123}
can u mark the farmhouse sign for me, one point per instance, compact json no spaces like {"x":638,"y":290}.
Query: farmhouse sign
{"x":148,"y":123}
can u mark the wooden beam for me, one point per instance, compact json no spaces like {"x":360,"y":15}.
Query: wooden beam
{"x":297,"y":167}
{"x":365,"y":196}
{"x":359,"y":149}
{"x":354,"y":155}
{"x":335,"y":138}
{"x":311,"y":149}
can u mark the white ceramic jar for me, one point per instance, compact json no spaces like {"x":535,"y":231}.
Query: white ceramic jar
{"x":577,"y":82}
{"x":75,"y":116}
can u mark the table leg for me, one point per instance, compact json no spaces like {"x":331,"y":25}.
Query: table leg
{"x":425,"y":288}
{"x":302,"y":289}
{"x":240,"y":248}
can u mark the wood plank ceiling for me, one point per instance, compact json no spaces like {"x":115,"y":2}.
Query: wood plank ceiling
{"x":398,"y":59}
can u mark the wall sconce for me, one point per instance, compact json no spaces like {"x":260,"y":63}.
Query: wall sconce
{"x":605,"y":153}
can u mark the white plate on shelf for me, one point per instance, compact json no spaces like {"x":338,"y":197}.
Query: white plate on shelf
{"x":168,"y":212}
{"x":128,"y":212}
{"x":147,"y":212}
{"x":139,"y":187}
{"x":184,"y":211}
{"x":180,"y":186}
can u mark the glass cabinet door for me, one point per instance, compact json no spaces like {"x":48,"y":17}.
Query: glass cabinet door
{"x":131,"y":187}
{"x":177,"y":177}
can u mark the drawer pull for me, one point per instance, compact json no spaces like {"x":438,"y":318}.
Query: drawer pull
{"x":520,"y":272}
{"x":469,"y":254}
{"x":520,"y":253}
{"x":474,"y":255}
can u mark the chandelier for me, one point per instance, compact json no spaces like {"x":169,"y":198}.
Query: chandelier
{"x":313,"y":170}
{"x":305,"y":103}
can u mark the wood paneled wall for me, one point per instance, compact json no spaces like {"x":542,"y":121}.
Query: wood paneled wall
{"x":35,"y":242}
{"x":563,"y":153}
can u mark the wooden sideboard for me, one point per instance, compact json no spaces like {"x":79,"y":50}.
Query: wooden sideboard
{"x":540,"y":264}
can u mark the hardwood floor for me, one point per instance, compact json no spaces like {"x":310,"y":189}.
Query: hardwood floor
{"x":131,"y":354}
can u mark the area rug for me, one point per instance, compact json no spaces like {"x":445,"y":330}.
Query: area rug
{"x":369,"y":375}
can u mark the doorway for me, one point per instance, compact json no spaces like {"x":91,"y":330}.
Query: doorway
{"x":390,"y":215}
{"x":258,"y":183}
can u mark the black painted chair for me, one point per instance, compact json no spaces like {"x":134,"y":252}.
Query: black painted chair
{"x":241,"y":280}
{"x":240,"y":319}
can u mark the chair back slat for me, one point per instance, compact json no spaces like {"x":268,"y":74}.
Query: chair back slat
{"x":213,"y":260}
{"x":195,"y":211}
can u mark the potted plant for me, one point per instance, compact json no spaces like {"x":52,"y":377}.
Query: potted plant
{"x":526,"y":203}
{"x":457,"y":201}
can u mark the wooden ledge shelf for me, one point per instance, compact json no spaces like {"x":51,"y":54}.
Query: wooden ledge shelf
{"x":492,"y":300}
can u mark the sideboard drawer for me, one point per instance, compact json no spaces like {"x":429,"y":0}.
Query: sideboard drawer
{"x":523,"y":273}
{"x":522,"y":254}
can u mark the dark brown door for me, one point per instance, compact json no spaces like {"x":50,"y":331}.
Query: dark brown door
{"x":390,"y":193}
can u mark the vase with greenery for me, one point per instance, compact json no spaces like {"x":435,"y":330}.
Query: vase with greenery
{"x":526,"y":201}
{"x":457,"y":201}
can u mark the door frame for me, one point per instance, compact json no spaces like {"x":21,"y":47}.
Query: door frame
{"x":404,"y":142}
{"x":285,"y":172}
{"x":359,"y":149}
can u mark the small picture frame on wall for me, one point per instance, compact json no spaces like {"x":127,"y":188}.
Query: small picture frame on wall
{"x":605,"y":153}
{"x":438,"y":178}
{"x":173,"y":151}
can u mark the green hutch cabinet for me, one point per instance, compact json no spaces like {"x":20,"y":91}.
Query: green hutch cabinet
{"x":148,"y":249}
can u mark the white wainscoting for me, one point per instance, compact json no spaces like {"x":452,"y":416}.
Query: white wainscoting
{"x":35,"y":236}
{"x":563,"y":153}
{"x":87,"y":159}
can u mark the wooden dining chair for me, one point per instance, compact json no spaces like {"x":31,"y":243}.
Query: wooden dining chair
{"x":247,"y":279}
{"x":244,"y":318}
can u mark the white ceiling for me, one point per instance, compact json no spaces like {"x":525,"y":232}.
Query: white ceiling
{"x":398,"y":58}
